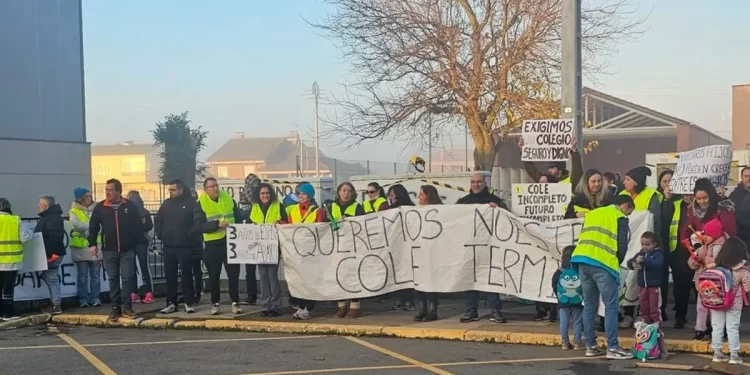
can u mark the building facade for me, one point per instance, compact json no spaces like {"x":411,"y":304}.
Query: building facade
{"x":741,"y":117}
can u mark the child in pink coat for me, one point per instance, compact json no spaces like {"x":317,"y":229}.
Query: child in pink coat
{"x":710,"y":239}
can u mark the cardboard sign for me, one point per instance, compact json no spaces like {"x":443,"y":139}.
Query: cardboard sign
{"x":546,"y":140}
{"x":541,"y":202}
{"x":252,"y":244}
{"x":712,"y":162}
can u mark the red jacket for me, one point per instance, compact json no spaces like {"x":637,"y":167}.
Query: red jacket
{"x":726,"y":215}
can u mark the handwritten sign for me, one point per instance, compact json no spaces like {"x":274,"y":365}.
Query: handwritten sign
{"x":712,"y":162}
{"x":442,"y":249}
{"x":541,"y":202}
{"x":252,"y":244}
{"x":546,"y":140}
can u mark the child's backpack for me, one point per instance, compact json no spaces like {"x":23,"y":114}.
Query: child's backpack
{"x":646,"y":342}
{"x":716,"y":288}
{"x":569,"y":290}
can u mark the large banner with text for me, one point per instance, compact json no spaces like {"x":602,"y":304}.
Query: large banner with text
{"x":444,"y":249}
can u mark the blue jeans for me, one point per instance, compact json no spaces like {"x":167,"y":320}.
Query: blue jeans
{"x":493,"y":300}
{"x":598,"y":281}
{"x":568,"y":315}
{"x":731,"y":320}
{"x":52,"y":278}
{"x":89,"y":281}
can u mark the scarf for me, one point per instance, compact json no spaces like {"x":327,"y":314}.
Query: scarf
{"x":699,"y":211}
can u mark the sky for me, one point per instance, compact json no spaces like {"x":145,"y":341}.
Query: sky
{"x":245,"y":66}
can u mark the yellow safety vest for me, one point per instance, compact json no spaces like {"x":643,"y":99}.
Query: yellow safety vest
{"x":674,"y":227}
{"x":580,"y":209}
{"x":221,"y":210}
{"x":598,"y":240}
{"x":11,"y":247}
{"x":643,"y":199}
{"x":77,"y":239}
{"x":565,"y":180}
{"x":373,"y":207}
{"x":289,"y":208}
{"x":271,"y":217}
{"x":349,"y":211}
{"x":295,"y":215}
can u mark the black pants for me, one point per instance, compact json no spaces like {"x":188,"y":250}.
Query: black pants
{"x":198,"y":275}
{"x":7,"y":286}
{"x":302,"y":303}
{"x":175,"y":257}
{"x":251,"y":282}
{"x":425,"y":297}
{"x":120,"y":265}
{"x":214,"y":256}
{"x":682,"y":276}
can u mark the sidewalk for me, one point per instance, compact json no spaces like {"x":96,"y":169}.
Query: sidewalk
{"x":380,"y":320}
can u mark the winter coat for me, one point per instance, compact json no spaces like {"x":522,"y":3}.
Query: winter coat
{"x":82,"y":255}
{"x":120,"y":225}
{"x":741,"y":199}
{"x":483,"y":197}
{"x":52,"y":228}
{"x":174,"y":220}
{"x":651,"y":272}
{"x":725,"y":213}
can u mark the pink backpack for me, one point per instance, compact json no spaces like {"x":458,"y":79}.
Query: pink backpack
{"x":717,"y":290}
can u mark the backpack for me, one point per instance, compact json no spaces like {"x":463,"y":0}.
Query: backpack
{"x":569,"y":290}
{"x":716,"y":288}
{"x":646,"y":342}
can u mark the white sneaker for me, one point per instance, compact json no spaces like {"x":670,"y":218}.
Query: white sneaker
{"x":189,"y":309}
{"x":627,"y":322}
{"x":302,"y":315}
{"x":236,"y":309}
{"x":169,"y":309}
{"x":215,"y":310}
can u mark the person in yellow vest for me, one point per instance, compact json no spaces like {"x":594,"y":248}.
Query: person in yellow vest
{"x":645,"y":198}
{"x":304,"y":212}
{"x":267,"y":209}
{"x":214,"y":213}
{"x":88,"y":266}
{"x":12,"y":237}
{"x":601,"y":249}
{"x":590,"y":194}
{"x":375,"y":200}
{"x":345,"y":205}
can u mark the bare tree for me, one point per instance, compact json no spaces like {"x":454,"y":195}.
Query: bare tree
{"x":484,"y":64}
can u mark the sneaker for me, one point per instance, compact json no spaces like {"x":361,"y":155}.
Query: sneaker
{"x":618,"y":354}
{"x":699,"y":335}
{"x":189,"y":308}
{"x":399,"y":306}
{"x":236,"y":309}
{"x":215,"y":310}
{"x":567,"y":346}
{"x":302,"y":314}
{"x":96,"y":304}
{"x":9,"y":317}
{"x":553,"y":317}
{"x":594,"y":352}
{"x":170,"y":308}
{"x":53,"y":310}
{"x":409,"y":306}
{"x":128,"y":312}
{"x":149,"y":298}
{"x":114,"y":314}
{"x":719,"y":357}
{"x":249,"y":301}
{"x":84,"y":304}
{"x":353,"y":314}
{"x":341,"y":312}
{"x":540,"y":315}
{"x":735,"y":359}
{"x":579,"y":346}
{"x":497,"y":317}
{"x":627,"y":322}
{"x":470,"y":316}
{"x":135,"y":298}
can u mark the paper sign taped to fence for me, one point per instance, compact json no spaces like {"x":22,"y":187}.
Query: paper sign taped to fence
{"x":712,"y":162}
{"x":440,"y":248}
{"x":546,"y":140}
{"x":252,"y":244}
{"x":541,"y":202}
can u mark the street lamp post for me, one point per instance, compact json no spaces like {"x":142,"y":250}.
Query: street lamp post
{"x":572,"y":75}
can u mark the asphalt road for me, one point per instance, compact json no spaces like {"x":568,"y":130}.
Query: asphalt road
{"x":83,"y":351}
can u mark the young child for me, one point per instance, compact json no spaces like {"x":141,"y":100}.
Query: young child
{"x":709,"y":242}
{"x":733,"y":256}
{"x":567,"y":287}
{"x":649,"y":263}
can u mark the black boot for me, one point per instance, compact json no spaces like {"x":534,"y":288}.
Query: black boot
{"x":432,"y":314}
{"x":422,"y":311}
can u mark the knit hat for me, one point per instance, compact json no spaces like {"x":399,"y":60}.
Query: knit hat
{"x":639,"y":174}
{"x":308,"y":190}
{"x":79,"y":192}
{"x":713,"y":228}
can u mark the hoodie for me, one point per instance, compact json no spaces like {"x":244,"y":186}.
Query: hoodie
{"x":483,"y":197}
{"x":52,"y":228}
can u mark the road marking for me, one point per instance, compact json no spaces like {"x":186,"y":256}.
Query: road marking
{"x":340,"y":369}
{"x":104,"y":369}
{"x":398,"y":356}
{"x":37,"y":347}
{"x":163,"y":342}
{"x":506,"y":361}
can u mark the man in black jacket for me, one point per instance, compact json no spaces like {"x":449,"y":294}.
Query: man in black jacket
{"x":119,"y":222}
{"x":51,"y":227}
{"x":741,"y":199}
{"x":480,"y":195}
{"x":173,"y":223}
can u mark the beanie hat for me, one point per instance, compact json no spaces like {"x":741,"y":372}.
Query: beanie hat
{"x":79,"y":192}
{"x":713,"y":228}
{"x":639,"y":174}
{"x":308,"y":190}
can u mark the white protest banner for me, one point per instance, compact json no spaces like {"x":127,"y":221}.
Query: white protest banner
{"x":546,"y":140}
{"x":541,"y":202}
{"x":252,"y":244}
{"x":34,"y":254}
{"x":712,"y":162}
{"x":438,"y":248}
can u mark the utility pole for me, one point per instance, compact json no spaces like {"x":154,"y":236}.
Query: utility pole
{"x":572,"y":75}
{"x":316,"y":95}
{"x":429,"y":145}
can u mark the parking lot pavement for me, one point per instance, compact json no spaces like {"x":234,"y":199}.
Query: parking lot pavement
{"x":84,"y":350}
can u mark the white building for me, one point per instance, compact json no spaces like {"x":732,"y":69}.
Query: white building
{"x":43,"y":148}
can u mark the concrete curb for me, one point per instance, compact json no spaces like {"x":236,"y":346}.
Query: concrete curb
{"x":500,"y":337}
{"x":26,"y":321}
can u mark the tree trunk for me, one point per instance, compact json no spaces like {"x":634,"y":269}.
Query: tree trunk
{"x":484,"y":154}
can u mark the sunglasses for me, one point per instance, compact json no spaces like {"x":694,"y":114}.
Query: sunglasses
{"x":372,"y":192}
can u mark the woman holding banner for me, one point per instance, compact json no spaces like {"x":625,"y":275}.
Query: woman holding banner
{"x":398,"y":196}
{"x":376,"y":200}
{"x":590,"y":194}
{"x":428,"y":302}
{"x":304,"y":212}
